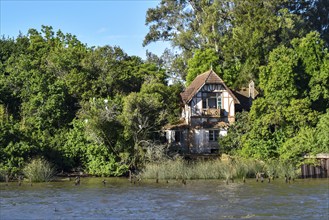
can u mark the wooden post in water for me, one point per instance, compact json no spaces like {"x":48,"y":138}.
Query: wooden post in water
{"x":7,"y":179}
{"x":19,"y":180}
{"x":130,"y":179}
{"x":77,"y":180}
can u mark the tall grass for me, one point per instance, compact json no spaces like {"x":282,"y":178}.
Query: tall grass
{"x":225,"y":168}
{"x":39,"y":170}
{"x":288,"y":170}
{"x":271,"y":168}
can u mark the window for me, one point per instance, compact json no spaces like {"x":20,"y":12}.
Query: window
{"x":211,"y":100}
{"x":219,"y":101}
{"x":178,"y":135}
{"x":213,"y":135}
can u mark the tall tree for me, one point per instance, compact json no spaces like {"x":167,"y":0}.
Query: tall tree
{"x":242,"y":33}
{"x":315,"y":13}
{"x":289,"y":104}
{"x":189,"y":25}
{"x":203,"y":60}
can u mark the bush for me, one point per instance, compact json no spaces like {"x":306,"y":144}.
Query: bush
{"x":39,"y":170}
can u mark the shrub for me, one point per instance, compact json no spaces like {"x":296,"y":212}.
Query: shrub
{"x":39,"y":170}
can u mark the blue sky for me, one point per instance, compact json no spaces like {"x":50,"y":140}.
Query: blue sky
{"x":95,"y":23}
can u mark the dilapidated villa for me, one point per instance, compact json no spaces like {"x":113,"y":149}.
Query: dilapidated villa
{"x":208,"y":108}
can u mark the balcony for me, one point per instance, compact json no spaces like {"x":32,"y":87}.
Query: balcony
{"x":213,"y":112}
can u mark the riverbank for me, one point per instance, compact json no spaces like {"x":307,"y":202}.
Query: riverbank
{"x":226,"y":168}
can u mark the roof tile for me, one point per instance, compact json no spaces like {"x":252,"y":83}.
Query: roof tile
{"x":209,"y":77}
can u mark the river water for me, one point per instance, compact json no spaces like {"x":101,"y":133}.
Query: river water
{"x":198,"y":199}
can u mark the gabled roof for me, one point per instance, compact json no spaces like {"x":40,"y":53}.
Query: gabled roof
{"x":209,"y":77}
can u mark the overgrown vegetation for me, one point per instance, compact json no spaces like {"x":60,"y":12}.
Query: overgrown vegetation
{"x":39,"y":170}
{"x":226,"y":168}
{"x":100,"y":110}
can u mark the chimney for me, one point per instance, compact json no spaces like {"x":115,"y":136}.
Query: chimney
{"x":251,"y":90}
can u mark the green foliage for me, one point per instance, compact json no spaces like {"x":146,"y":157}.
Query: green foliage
{"x":101,"y":110}
{"x":14,"y":145}
{"x":101,"y":162}
{"x":313,"y":57}
{"x":85,"y":150}
{"x":101,"y":119}
{"x":242,"y":33}
{"x":202,"y":61}
{"x":232,"y":142}
{"x":308,"y":141}
{"x":284,"y":119}
{"x":142,"y":116}
{"x":64,"y":101}
{"x":257,"y":28}
{"x":278,"y":78}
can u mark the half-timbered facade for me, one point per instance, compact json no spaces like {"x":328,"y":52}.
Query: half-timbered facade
{"x":208,"y":109}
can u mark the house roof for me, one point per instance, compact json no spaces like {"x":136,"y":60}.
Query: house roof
{"x":217,"y":125}
{"x":243,"y":96}
{"x":180,"y":125}
{"x":244,"y":91}
{"x":209,"y":77}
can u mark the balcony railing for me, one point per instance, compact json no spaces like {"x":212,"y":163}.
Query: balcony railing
{"x":213,"y":112}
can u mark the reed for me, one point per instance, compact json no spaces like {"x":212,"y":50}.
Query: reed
{"x":272,"y":168}
{"x":227,"y":168}
{"x":287,"y":170}
{"x":39,"y":170}
{"x":168,"y":169}
{"x":241,"y":168}
{"x":181,"y":169}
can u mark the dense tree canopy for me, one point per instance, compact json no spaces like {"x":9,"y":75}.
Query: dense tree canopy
{"x":282,"y":45}
{"x":78,"y":106}
{"x":285,"y":121}
{"x":242,"y":33}
{"x":100,"y":109}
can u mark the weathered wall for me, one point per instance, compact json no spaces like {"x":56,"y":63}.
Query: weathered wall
{"x":200,"y":141}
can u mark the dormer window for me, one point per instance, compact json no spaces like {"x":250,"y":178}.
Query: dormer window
{"x":211,"y":100}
